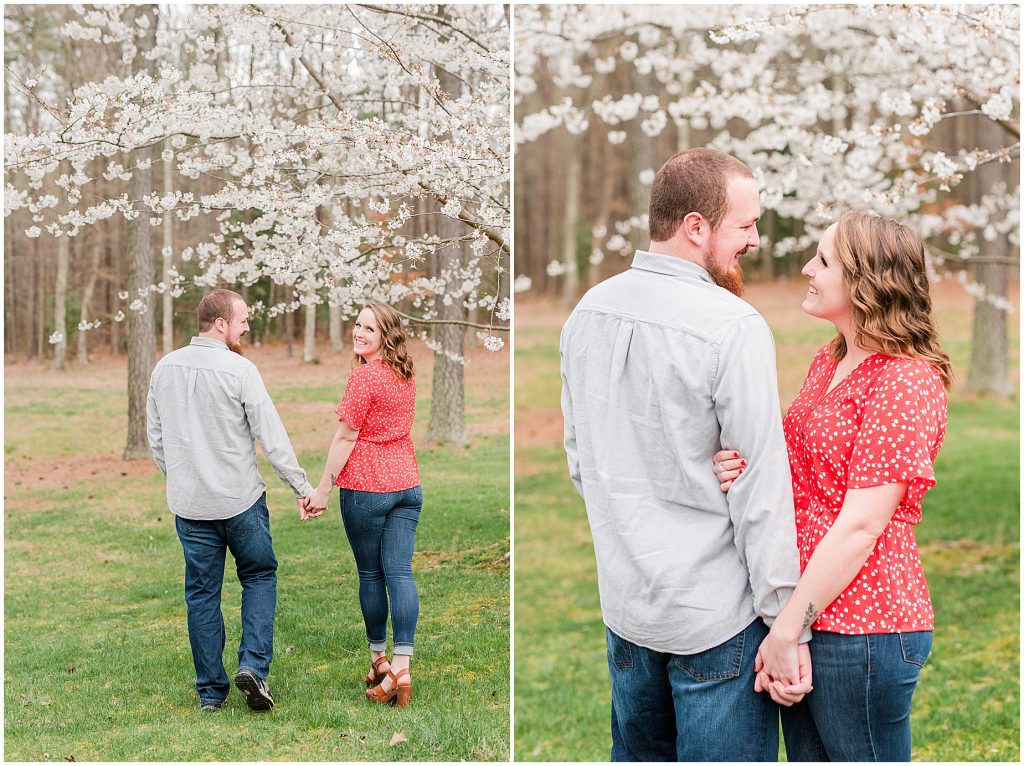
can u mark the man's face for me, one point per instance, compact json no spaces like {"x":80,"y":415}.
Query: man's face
{"x":237,"y":326}
{"x":736,"y":233}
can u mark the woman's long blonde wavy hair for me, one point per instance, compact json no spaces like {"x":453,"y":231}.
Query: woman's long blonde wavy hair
{"x":392,"y":340}
{"x":884,"y":271}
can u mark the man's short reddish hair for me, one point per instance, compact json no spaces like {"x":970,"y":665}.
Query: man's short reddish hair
{"x":692,"y":181}
{"x":216,"y":304}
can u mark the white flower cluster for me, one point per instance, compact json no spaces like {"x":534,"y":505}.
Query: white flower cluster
{"x":338,"y":192}
{"x":493,"y":343}
{"x":556,"y":269}
{"x":1000,"y":105}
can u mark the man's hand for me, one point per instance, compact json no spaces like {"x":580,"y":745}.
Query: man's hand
{"x":306,"y":509}
{"x":783,"y":692}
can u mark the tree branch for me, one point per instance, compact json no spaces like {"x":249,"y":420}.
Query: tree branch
{"x":399,"y":9}
{"x":462,"y":322}
{"x":302,"y":59}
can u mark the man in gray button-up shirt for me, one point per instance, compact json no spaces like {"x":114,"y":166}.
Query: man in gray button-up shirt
{"x":661,"y":367}
{"x":207,"y":406}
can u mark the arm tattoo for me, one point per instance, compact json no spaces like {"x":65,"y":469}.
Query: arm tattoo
{"x":809,"y":616}
{"x":334,"y":479}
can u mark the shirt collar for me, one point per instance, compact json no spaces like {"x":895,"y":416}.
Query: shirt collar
{"x":210,"y":342}
{"x":670,"y":265}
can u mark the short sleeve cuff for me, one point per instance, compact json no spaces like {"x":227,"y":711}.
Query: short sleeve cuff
{"x":350,"y":415}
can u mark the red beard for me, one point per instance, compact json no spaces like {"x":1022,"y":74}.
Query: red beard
{"x":236,"y":347}
{"x":729,"y":280}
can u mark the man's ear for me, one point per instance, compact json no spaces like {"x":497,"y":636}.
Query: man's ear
{"x":695,"y":229}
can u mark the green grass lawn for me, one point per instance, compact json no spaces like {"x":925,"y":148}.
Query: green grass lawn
{"x":967,"y":704}
{"x":97,"y":662}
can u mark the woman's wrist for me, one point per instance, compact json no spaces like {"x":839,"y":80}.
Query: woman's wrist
{"x":788,"y":626}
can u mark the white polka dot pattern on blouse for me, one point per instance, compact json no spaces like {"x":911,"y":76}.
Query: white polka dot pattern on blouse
{"x":381,"y":406}
{"x":883,"y":424}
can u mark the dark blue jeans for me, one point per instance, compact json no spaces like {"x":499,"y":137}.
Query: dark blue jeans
{"x":696,"y":707}
{"x":247,"y":536}
{"x":381,"y":528}
{"x":860,"y":707}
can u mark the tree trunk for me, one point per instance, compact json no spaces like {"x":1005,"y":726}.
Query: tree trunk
{"x":604,"y":205}
{"x":11,"y":285}
{"x":334,"y":326}
{"x":766,"y":261}
{"x":114,"y":259}
{"x":40,"y":302}
{"x":87,"y":293}
{"x":60,"y":295}
{"x":989,"y":371}
{"x":448,"y":397}
{"x":168,"y":262}
{"x":141,"y":324}
{"x":571,"y":281}
{"x":309,"y":339}
{"x":289,"y":319}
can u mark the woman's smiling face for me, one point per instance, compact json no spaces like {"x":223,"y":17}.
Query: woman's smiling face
{"x":366,"y":338}
{"x":827,"y":294}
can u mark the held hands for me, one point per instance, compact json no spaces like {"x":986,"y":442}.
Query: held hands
{"x":314,"y":504}
{"x":783,"y":669}
{"x":306,"y":511}
{"x":729,"y":464}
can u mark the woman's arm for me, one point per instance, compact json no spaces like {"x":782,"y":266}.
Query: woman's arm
{"x":833,"y":566}
{"x":840,"y":555}
{"x":340,"y":450}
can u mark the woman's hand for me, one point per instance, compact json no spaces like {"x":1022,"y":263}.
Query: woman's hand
{"x":728,"y":465}
{"x":317,"y":501}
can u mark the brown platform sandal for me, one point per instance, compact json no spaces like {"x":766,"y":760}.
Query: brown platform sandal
{"x":400,"y":694}
{"x":376,"y":675}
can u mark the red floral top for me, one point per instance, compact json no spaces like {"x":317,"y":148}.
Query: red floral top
{"x":884,"y":423}
{"x":381,"y":406}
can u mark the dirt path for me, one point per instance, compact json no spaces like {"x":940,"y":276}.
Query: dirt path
{"x":310,"y":423}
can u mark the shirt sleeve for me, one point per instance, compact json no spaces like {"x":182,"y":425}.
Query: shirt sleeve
{"x":568,"y":426}
{"x":746,"y":397}
{"x":902,"y":418}
{"x":154,"y":428}
{"x":266,"y":426}
{"x":355,"y":403}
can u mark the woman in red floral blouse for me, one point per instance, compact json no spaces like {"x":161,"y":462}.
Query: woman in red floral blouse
{"x":372,"y":461}
{"x":862,"y":435}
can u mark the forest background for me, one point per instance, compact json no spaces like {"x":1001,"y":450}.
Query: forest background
{"x":908,"y":111}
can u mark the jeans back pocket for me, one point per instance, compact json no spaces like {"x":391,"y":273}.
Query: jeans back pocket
{"x":248,"y":521}
{"x":620,"y":651}
{"x":916,"y":646}
{"x":717,"y":663}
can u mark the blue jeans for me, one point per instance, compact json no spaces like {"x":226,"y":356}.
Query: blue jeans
{"x":247,"y":535}
{"x":860,"y":707}
{"x":695,"y":707}
{"x":381,"y":528}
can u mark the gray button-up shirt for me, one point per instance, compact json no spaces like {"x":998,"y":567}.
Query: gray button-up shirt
{"x":207,"y":406}
{"x":661,"y":368}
